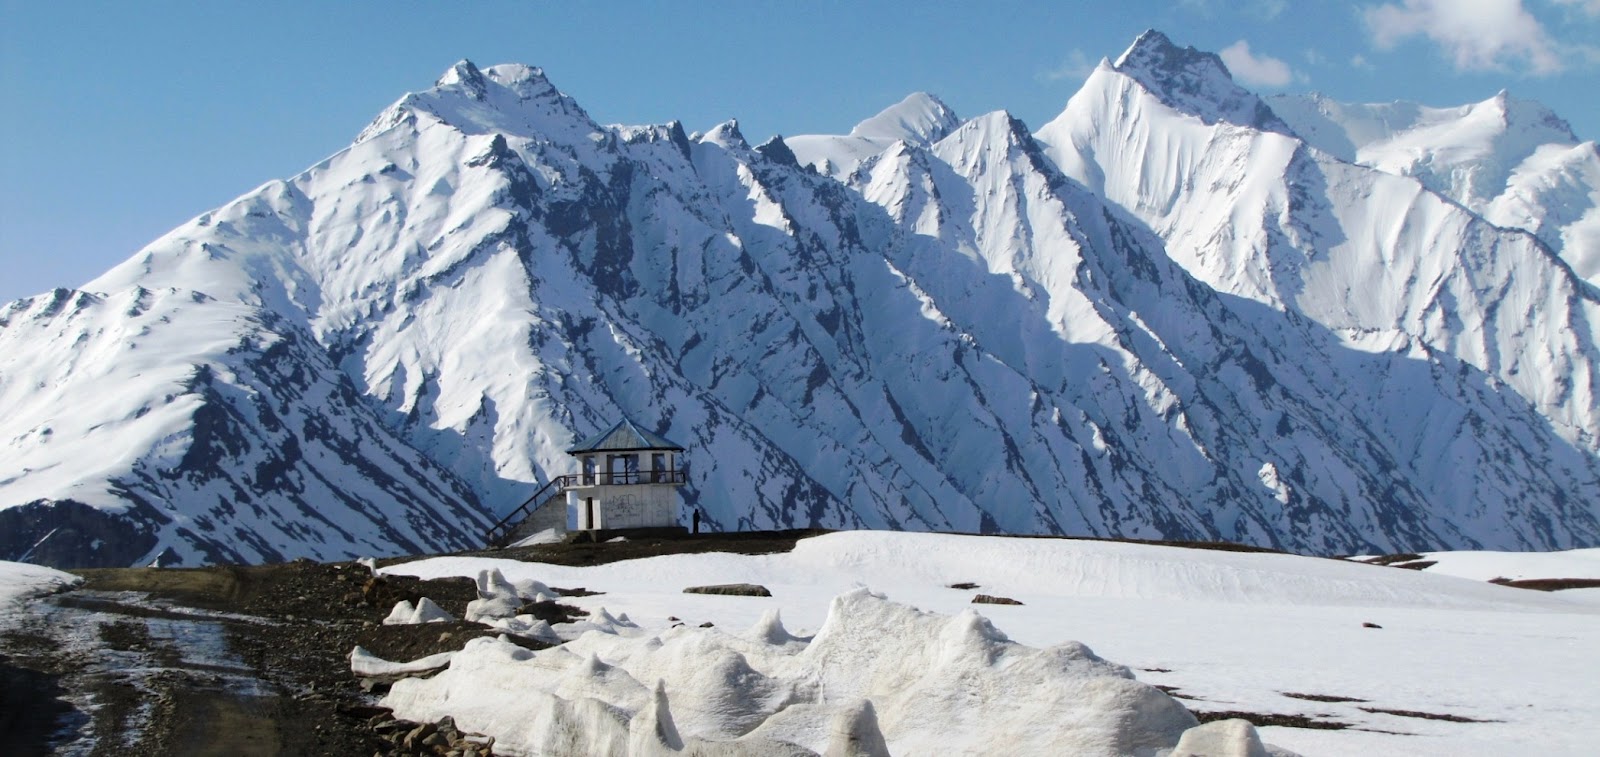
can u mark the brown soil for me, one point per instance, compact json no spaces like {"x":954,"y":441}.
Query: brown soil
{"x":581,"y":554}
{"x":1426,"y":715}
{"x":1321,"y":697}
{"x":1403,"y":557}
{"x":1260,"y":719}
{"x":1549,"y":584}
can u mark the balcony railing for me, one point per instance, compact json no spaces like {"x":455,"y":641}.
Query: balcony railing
{"x":618,"y":478}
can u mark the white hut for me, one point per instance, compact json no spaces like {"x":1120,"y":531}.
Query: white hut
{"x":628,"y":478}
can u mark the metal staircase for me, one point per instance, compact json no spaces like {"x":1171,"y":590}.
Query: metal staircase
{"x":500,"y":533}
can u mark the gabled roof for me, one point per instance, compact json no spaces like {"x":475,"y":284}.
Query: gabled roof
{"x":626,"y":436}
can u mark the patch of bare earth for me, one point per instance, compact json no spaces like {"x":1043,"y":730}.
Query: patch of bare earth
{"x":1548,"y":584}
{"x":1261,"y":719}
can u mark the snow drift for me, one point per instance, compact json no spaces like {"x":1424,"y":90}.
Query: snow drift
{"x":878,"y":671}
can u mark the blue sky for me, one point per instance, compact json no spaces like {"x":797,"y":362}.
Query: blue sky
{"x":123,"y":120}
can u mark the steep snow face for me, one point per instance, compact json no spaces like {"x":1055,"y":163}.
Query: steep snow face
{"x":972,"y":333}
{"x":1430,"y":320}
{"x":1512,"y":161}
{"x":920,"y":119}
{"x":1172,"y":394}
{"x":167,"y":426}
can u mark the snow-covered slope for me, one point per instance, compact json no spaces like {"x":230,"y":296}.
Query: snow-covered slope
{"x":1512,"y":161}
{"x":1223,"y":631}
{"x":1167,"y":317}
{"x":214,"y":431}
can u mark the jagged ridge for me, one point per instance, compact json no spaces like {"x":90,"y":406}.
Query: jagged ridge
{"x":966,"y":328}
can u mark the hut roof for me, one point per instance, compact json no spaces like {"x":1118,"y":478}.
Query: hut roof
{"x":626,"y":436}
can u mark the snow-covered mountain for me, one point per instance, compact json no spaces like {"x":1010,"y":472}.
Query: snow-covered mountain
{"x":1512,"y":161}
{"x":1167,"y":316}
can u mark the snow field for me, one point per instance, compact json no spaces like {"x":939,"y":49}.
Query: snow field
{"x":19,"y":581}
{"x":1489,"y":565}
{"x":1231,"y":631}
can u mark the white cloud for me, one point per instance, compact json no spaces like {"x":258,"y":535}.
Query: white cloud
{"x":1076,"y":67}
{"x":1591,"y":7}
{"x":1269,"y":9}
{"x":1360,"y":61}
{"x":1261,"y":71}
{"x":1478,"y":34}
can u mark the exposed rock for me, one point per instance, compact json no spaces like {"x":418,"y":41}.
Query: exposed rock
{"x":742,"y":590}
{"x":986,"y":599}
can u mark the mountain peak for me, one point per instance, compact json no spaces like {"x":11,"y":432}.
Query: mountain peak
{"x":463,"y":75}
{"x":1532,"y":116}
{"x":1151,"y":45}
{"x":727,"y":135}
{"x":920,"y":117}
{"x":519,"y":78}
{"x":778,"y":151}
{"x":1193,"y":82}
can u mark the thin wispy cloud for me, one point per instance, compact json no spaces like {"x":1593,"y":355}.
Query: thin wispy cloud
{"x":1255,"y":70}
{"x":1476,"y":34}
{"x":1591,"y":7}
{"x":1265,"y":10}
{"x":1075,"y":68}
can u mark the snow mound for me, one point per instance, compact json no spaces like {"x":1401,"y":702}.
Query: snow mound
{"x":1226,"y":738}
{"x":426,"y":611}
{"x":880,"y":677}
{"x":769,"y":630}
{"x":499,"y":598}
{"x":19,"y":581}
{"x":547,"y":536}
{"x":364,"y":663}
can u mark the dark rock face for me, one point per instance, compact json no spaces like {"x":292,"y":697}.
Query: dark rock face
{"x":1194,"y":81}
{"x":68,"y":534}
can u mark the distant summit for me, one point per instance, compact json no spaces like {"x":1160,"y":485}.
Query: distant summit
{"x":920,"y":118}
{"x":1194,"y":82}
